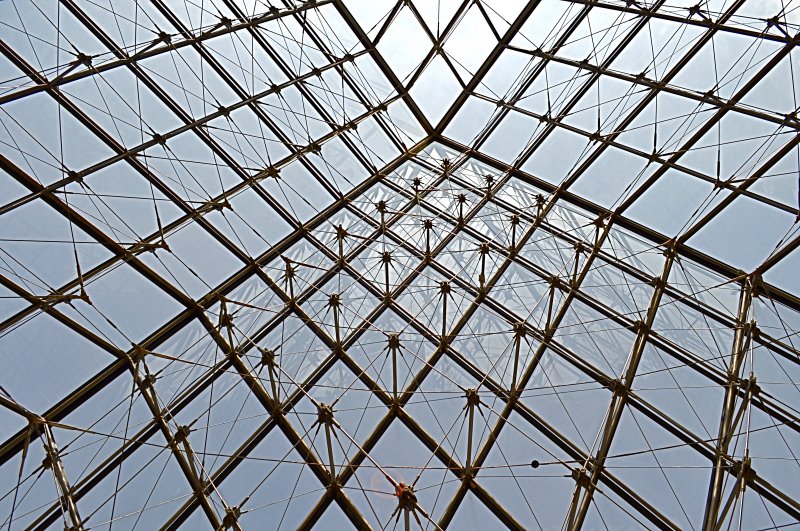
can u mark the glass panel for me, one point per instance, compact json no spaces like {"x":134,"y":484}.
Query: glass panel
{"x":673,"y":202}
{"x":693,"y":331}
{"x":732,"y":57}
{"x":405,"y":124}
{"x":537,"y":497}
{"x":221,"y":418}
{"x":511,"y":137}
{"x":501,"y":77}
{"x":490,"y":344}
{"x":772,"y":447}
{"x":439,"y":85}
{"x":281,"y":491}
{"x":39,"y":248}
{"x":704,"y":285}
{"x":610,"y":178}
{"x":680,"y":391}
{"x":470,"y":42}
{"x":569,"y":401}
{"x":104,"y":424}
{"x":595,"y":339}
{"x":628,"y":295}
{"x":438,"y":406}
{"x":660,"y":468}
{"x":472,"y":514}
{"x":744,"y":224}
{"x":44,"y":361}
{"x":250,"y":224}
{"x":556,"y":169}
{"x":298,"y":351}
{"x":151,"y":488}
{"x":195,"y":262}
{"x":404,"y":44}
{"x":652,"y":50}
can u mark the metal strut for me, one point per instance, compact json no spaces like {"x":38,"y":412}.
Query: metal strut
{"x":340,"y":234}
{"x":325,"y":418}
{"x":427,"y":225}
{"x":575,"y":271}
{"x":381,"y":206}
{"x":553,"y":281}
{"x":473,"y":400}
{"x":512,"y":249}
{"x":540,"y":202}
{"x":729,"y":420}
{"x":394,"y":346}
{"x":588,"y":476}
{"x":52,"y":461}
{"x":444,"y":289}
{"x":333,"y":302}
{"x":289,"y":274}
{"x":386,"y":259}
{"x":483,"y":250}
{"x":519,"y":334}
{"x":268,"y":361}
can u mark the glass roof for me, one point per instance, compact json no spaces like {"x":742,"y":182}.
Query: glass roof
{"x":399,"y":264}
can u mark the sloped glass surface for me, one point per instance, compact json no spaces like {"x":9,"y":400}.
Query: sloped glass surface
{"x":399,"y":264}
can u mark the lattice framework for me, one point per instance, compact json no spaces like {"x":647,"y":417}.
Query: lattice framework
{"x":388,"y":307}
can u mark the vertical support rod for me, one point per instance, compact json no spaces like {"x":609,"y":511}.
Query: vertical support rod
{"x":514,"y":222}
{"x":226,"y":321}
{"x":330,"y":451}
{"x":484,"y":250}
{"x":445,"y":290}
{"x":472,"y":401}
{"x":519,"y":333}
{"x":428,"y":224}
{"x":268,"y":360}
{"x":394,"y":346}
{"x":333,"y":301}
{"x":599,"y":225}
{"x":382,"y":209}
{"x":726,"y":425}
{"x":551,"y":297}
{"x":469,"y":438}
{"x":289,"y":278}
{"x":387,"y":258}
{"x":578,"y":251}
{"x":340,"y":234}
{"x":60,"y":476}
{"x":325,"y":417}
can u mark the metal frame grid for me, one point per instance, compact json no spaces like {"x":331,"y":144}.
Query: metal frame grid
{"x":257,"y":271}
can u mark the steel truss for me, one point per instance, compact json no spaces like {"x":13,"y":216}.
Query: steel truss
{"x":438,"y":249}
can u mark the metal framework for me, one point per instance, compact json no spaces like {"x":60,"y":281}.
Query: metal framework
{"x":381,"y":264}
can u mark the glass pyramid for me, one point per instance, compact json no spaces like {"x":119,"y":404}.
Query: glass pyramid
{"x":398,"y":264}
